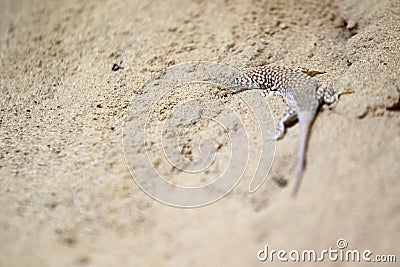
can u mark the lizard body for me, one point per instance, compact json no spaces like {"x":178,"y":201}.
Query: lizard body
{"x":301,"y":93}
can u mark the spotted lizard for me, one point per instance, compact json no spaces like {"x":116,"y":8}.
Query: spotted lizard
{"x":302,"y":94}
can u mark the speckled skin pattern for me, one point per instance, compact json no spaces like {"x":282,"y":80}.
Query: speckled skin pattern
{"x":302,"y":94}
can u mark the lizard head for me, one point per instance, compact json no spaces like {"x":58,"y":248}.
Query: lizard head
{"x":242,"y":83}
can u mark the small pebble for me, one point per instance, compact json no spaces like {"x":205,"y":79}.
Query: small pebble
{"x":351,"y":24}
{"x":116,"y":67}
{"x":283,"y":26}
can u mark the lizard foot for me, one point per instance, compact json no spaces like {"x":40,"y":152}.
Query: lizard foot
{"x":288,"y":118}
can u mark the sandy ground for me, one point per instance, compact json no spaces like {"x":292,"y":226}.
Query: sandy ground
{"x":66,"y":195}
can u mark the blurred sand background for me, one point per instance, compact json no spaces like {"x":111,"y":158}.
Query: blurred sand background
{"x":66,"y":195}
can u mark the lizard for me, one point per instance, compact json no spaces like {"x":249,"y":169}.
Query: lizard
{"x":302,"y":94}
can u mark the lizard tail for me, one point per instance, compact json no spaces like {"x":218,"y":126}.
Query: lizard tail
{"x":305,"y":122}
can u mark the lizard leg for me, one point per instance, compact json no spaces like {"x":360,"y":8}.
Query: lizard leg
{"x":287,"y":118}
{"x":309,"y":72}
{"x":327,"y":94}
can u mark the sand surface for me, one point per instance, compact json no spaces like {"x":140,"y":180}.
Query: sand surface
{"x":67,"y":197}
